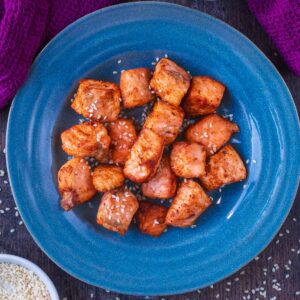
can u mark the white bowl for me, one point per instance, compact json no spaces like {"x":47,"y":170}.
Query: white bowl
{"x":7,"y":258}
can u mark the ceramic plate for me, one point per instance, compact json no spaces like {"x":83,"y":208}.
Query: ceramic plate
{"x":245,"y":216}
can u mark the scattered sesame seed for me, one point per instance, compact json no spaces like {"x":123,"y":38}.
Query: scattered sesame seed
{"x":2,"y":173}
{"x":254,"y":161}
{"x":219,"y":201}
{"x":115,"y":72}
{"x":119,"y":61}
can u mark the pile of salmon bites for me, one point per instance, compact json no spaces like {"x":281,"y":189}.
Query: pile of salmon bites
{"x":196,"y":164}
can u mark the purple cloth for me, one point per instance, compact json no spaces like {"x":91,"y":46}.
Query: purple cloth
{"x":25,"y":27}
{"x":281,"y":20}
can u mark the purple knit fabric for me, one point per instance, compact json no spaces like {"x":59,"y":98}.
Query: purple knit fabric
{"x":25,"y":27}
{"x":281,"y":20}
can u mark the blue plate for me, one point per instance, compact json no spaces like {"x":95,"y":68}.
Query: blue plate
{"x":230,"y":233}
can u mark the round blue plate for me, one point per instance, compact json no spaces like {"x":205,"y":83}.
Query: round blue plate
{"x":245,"y":216}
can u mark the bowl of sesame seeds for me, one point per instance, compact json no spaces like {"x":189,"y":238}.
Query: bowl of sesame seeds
{"x":22,"y":279}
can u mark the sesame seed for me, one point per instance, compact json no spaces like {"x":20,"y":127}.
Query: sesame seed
{"x":219,"y":201}
{"x":119,"y":61}
{"x":254,"y":161}
{"x":115,"y":72}
{"x":2,"y":173}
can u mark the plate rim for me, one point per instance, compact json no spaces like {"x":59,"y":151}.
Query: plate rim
{"x":9,"y":160}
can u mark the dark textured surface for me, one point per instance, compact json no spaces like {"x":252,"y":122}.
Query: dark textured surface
{"x":275,"y":273}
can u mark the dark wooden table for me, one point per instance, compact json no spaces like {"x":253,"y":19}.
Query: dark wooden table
{"x":274,"y":274}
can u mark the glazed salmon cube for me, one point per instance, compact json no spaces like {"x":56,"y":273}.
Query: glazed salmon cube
{"x":204,"y":96}
{"x":123,"y":135}
{"x":189,"y":203}
{"x":170,"y":82}
{"x":116,"y":210}
{"x":87,"y":139}
{"x":165,"y":119}
{"x":151,"y":218}
{"x":163,"y":184}
{"x":144,"y":156}
{"x":134,"y":85}
{"x":107,"y":178}
{"x":213,"y":131}
{"x":97,"y":100}
{"x":75,"y":183}
{"x":224,"y":167}
{"x":188,"y":159}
